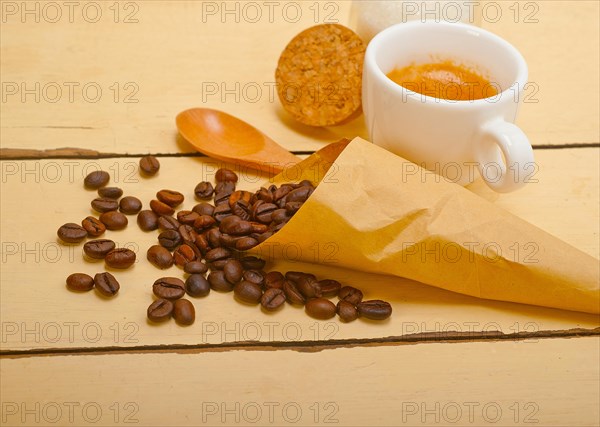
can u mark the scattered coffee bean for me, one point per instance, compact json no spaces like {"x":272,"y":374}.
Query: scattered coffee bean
{"x":204,"y":190}
{"x":80,"y":282}
{"x":222,"y":211}
{"x":248,"y":292}
{"x":217,"y":254}
{"x":246,"y":243}
{"x":204,"y":209}
{"x":120,"y":258}
{"x":320,"y":308}
{"x":170,"y":197}
{"x":98,"y":249}
{"x":235,"y":226}
{"x":204,"y":221}
{"x":274,"y":279}
{"x":196,"y":285}
{"x":254,"y":276}
{"x":170,"y":239}
{"x":347,"y":311}
{"x":106,"y":284}
{"x":169,"y":288}
{"x":184,"y":254}
{"x":188,"y":234}
{"x":71,"y":233}
{"x":96,"y":179}
{"x":130,"y":205}
{"x":160,"y":310}
{"x":252,"y":263}
{"x":114,"y":220}
{"x":202,"y":244}
{"x":166,"y":222}
{"x":214,"y":237}
{"x":195,"y":267}
{"x":272,"y":299}
{"x":294,"y":276}
{"x":218,"y":282}
{"x":93,"y":226}
{"x":103,"y":204}
{"x":292,"y":293}
{"x":161,"y":208}
{"x":187,"y":217}
{"x":110,"y":192}
{"x":226,"y":175}
{"x":329,"y":288}
{"x":309,"y":287}
{"x":233,"y":271}
{"x":149,"y":165}
{"x":375,"y":309}
{"x":147,"y":220}
{"x":160,"y":257}
{"x":350,"y":294}
{"x":184,"y":312}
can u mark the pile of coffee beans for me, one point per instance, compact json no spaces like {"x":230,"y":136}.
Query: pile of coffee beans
{"x":208,"y":243}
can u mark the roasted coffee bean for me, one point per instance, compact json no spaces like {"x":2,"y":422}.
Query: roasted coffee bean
{"x":130,"y":205}
{"x":80,"y":282}
{"x":224,"y":174}
{"x":159,"y":256}
{"x":170,"y":239}
{"x":222,"y":197}
{"x":225,"y":187}
{"x":161,"y":208}
{"x":274,"y":228}
{"x":233,"y":271}
{"x":299,"y":194}
{"x":149,"y":165}
{"x":219,"y":264}
{"x":222,"y":211}
{"x":147,"y":220}
{"x":217,"y":254}
{"x":103,"y":204}
{"x":110,"y":192}
{"x":295,"y":276}
{"x":375,"y":309}
{"x":160,"y":310}
{"x":248,"y":292}
{"x":246,"y":243}
{"x":187,"y":217}
{"x":272,"y":299}
{"x":170,"y":197}
{"x":303,"y":183}
{"x":350,"y":294}
{"x":196,"y":285}
{"x":228,"y":241}
{"x":120,"y":258}
{"x":242,"y":209}
{"x":235,"y":226}
{"x":93,"y":226}
{"x":258,"y":228}
{"x":169,"y":288}
{"x":264,"y":212}
{"x":217,"y":281}
{"x":292,"y":293}
{"x":188,"y":234}
{"x":195,"y":267}
{"x":252,"y":263}
{"x":309,"y":287}
{"x":166,"y":222}
{"x":274,"y":279}
{"x":264,"y":236}
{"x":114,"y":220}
{"x":184,"y":254}
{"x":347,"y":311}
{"x":71,"y":233}
{"x":254,"y":276}
{"x":98,"y":249}
{"x":264,"y":195}
{"x":204,"y":221}
{"x":202,"y":244}
{"x":204,"y":190}
{"x":106,"y":284}
{"x":320,"y":308}
{"x":184,"y":312}
{"x":96,"y":179}
{"x":214,"y":237}
{"x":330,"y":288}
{"x":204,"y":209}
{"x":293,"y":207}
{"x":238,"y":196}
{"x":281,"y":192}
{"x":280,"y":216}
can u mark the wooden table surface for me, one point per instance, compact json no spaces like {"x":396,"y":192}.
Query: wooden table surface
{"x":97,"y":84}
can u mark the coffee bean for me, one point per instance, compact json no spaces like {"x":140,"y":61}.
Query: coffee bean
{"x":264,"y":195}
{"x":221,"y":212}
{"x":293,"y":207}
{"x":347,"y":311}
{"x":169,"y":288}
{"x":375,"y":309}
{"x":330,"y":288}
{"x":166,"y":222}
{"x":218,"y":265}
{"x":202,"y":244}
{"x":217,"y":254}
{"x":239,"y":196}
{"x":187,"y":217}
{"x":161,"y":208}
{"x":272,"y":299}
{"x":281,"y":192}
{"x":183,"y":254}
{"x":102,"y":204}
{"x":214,"y":237}
{"x":98,"y":249}
{"x":170,"y":239}
{"x":184,"y":312}
{"x":309,"y":288}
{"x":254,"y":276}
{"x":96,"y":179}
{"x":120,"y":258}
{"x":228,"y":241}
{"x":235,"y":226}
{"x":149,"y":165}
{"x":320,"y":308}
{"x":264,"y":212}
{"x":280,"y":216}
{"x":226,"y":175}
{"x":80,"y":282}
{"x":106,"y":284}
{"x":204,"y":190}
{"x":295,"y":276}
{"x":258,"y":228}
{"x":246,"y":243}
{"x":204,"y":209}
{"x":292,"y":293}
{"x":160,"y":257}
{"x":188,"y":234}
{"x":197,"y":286}
{"x":264,"y":236}
{"x":114,"y":220}
{"x":222,"y":197}
{"x":93,"y":226}
{"x":71,"y":233}
{"x":160,"y":310}
{"x":110,"y":192}
{"x":248,"y":292}
{"x":130,"y":205}
{"x":195,"y":267}
{"x":147,"y":220}
{"x":217,"y":281}
{"x":274,"y":279}
{"x":233,"y":271}
{"x":252,"y":263}
{"x":350,"y":294}
{"x":204,"y":221}
{"x":224,"y":187}
{"x":170,"y":197}
{"x":299,"y":194}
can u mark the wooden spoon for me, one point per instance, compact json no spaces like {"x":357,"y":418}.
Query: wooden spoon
{"x":225,"y":137}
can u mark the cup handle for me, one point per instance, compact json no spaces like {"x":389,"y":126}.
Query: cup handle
{"x":503,"y":155}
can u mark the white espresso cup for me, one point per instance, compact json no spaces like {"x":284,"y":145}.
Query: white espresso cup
{"x":451,"y":138}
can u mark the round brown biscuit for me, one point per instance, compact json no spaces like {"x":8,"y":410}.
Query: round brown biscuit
{"x":319,"y":75}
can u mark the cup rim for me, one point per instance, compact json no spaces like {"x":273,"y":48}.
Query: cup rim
{"x":522,"y":69}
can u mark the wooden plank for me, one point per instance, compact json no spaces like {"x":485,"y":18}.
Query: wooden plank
{"x":554,"y":382}
{"x":205,"y":50}
{"x":38,"y":312}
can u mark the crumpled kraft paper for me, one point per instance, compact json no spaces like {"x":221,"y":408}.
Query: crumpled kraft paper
{"x":374,"y":211}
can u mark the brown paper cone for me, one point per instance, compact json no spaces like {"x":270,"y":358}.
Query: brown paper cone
{"x":377,"y":212}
